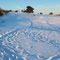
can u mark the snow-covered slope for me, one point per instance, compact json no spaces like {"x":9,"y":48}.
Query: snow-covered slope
{"x":29,"y":37}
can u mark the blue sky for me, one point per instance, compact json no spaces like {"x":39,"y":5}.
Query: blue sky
{"x":44,"y":6}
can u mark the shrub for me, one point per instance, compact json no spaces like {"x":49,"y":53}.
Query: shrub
{"x":1,"y":13}
{"x":50,"y":13}
{"x":10,"y":10}
{"x":6,"y":11}
{"x":16,"y":11}
{"x":41,"y":13}
{"x":1,"y":10}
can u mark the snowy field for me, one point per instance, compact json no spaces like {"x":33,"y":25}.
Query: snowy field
{"x":29,"y":37}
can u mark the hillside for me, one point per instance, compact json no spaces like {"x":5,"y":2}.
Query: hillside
{"x":29,"y":37}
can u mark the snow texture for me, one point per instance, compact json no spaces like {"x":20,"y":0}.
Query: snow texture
{"x":29,"y":37}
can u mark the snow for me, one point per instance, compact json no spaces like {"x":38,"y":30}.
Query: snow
{"x":29,"y":37}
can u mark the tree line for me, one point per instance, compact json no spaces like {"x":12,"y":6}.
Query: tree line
{"x":28,"y":10}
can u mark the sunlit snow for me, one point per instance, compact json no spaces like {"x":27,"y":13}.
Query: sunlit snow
{"x":29,"y":37}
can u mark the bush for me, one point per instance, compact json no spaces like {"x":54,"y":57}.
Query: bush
{"x":50,"y":13}
{"x":16,"y":11}
{"x":6,"y":11}
{"x":1,"y":10}
{"x":10,"y":10}
{"x":41,"y":13}
{"x":1,"y":13}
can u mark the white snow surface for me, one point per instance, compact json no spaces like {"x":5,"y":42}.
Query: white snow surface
{"x":29,"y":37}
